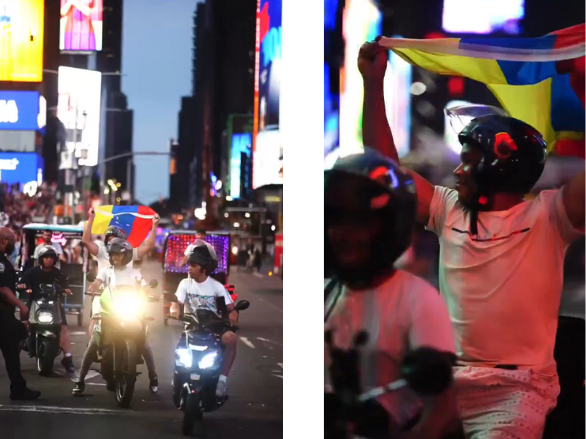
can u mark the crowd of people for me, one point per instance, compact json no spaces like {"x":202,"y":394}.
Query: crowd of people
{"x":496,"y":319}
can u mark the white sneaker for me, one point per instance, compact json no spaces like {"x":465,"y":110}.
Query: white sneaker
{"x":222,"y":386}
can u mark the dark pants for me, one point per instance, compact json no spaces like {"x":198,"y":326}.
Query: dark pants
{"x":567,"y":419}
{"x":12,"y":332}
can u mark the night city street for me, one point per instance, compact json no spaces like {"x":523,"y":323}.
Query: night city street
{"x":255,"y":407}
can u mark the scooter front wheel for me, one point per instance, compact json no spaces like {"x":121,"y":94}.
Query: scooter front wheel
{"x":192,"y":416}
{"x":126,"y":374}
{"x":46,"y":354}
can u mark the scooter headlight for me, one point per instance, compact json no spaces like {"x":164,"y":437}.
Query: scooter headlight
{"x":208,"y":360}
{"x":45,"y":317}
{"x":128,"y":306}
{"x":184,"y":357}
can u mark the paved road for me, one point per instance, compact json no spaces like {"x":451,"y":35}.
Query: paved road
{"x":255,"y":408}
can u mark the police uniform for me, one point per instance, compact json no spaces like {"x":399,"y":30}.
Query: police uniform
{"x":12,"y":332}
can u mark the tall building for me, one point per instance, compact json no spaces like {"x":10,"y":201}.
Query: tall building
{"x":222,"y":85}
{"x":183,"y":156}
{"x":223,"y":78}
{"x":116,"y":118}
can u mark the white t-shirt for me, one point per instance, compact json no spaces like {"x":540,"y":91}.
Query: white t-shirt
{"x":57,"y":248}
{"x":103,"y":263}
{"x":116,"y":278}
{"x":202,"y":295}
{"x":402,"y":314}
{"x":503,"y":287}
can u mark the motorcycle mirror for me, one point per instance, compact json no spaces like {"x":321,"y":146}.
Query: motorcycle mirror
{"x":428,"y":371}
{"x":153,"y":284}
{"x":242,"y":305}
{"x":170,"y":297}
{"x":90,"y":277}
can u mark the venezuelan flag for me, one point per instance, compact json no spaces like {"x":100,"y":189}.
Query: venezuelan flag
{"x":537,"y":80}
{"x":136,"y":221}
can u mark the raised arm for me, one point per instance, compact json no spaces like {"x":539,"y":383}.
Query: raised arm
{"x":87,"y":234}
{"x":376,"y":132}
{"x":151,"y":241}
{"x":573,"y":197}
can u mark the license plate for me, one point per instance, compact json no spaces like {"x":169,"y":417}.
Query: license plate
{"x":195,"y":377}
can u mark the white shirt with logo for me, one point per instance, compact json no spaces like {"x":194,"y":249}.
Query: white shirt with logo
{"x":400,"y":315}
{"x":196,"y":295}
{"x":503,"y":286}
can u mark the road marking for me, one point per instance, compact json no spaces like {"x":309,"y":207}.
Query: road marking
{"x":91,"y":374}
{"x":78,"y":333}
{"x":52,"y":409}
{"x":247,"y":342}
{"x":280,"y":364}
{"x":278,"y":376}
{"x":270,"y":304}
{"x":96,"y":384}
{"x":269,"y":341}
{"x":260,"y":276}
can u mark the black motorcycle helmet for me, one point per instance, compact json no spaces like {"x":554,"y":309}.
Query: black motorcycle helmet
{"x":114,"y":232}
{"x":48,"y":252}
{"x":513,"y":157}
{"x":203,"y":255}
{"x":513,"y":153}
{"x":371,"y":184}
{"x":118,"y":245}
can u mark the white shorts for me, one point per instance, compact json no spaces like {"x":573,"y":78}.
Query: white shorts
{"x":505,"y":404}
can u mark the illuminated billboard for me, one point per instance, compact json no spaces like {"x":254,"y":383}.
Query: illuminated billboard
{"x":241,"y":149}
{"x":362,"y":22}
{"x":267,"y":147}
{"x":397,"y":90}
{"x":79,"y":110}
{"x":81,"y":25}
{"x":21,"y":40}
{"x":18,"y":167}
{"x":22,"y":110}
{"x":482,"y":17}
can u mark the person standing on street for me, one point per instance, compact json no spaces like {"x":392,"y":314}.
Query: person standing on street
{"x":12,"y":332}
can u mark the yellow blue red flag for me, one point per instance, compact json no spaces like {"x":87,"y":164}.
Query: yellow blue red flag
{"x":537,"y":80}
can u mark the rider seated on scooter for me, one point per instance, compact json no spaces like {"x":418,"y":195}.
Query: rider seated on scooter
{"x":199,"y":291}
{"x":43,"y":274}
{"x":117,"y":275}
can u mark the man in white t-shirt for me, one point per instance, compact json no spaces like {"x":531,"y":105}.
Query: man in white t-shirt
{"x":501,"y":261}
{"x":47,"y":241}
{"x":200,"y":291}
{"x":118,"y":274}
{"x":99,"y":249}
{"x":369,"y":220}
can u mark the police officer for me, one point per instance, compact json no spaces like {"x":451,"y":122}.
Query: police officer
{"x":12,"y":332}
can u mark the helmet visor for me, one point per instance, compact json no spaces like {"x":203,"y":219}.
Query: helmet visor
{"x":462,"y":115}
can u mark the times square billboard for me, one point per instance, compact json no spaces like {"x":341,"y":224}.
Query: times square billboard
{"x":267,"y":143}
{"x":81,"y":25}
{"x":21,"y":40}
{"x":79,"y":109}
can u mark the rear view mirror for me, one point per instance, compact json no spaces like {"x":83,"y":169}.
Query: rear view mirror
{"x":242,"y":305}
{"x":153,"y":284}
{"x":170,"y":297}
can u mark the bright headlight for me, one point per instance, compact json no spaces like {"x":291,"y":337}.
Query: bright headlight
{"x":184,"y":357}
{"x":45,"y":317}
{"x":128,"y":306}
{"x":208,"y":361}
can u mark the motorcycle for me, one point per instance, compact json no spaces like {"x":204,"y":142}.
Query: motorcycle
{"x":45,"y":326}
{"x":198,"y":358}
{"x":123,"y":334}
{"x":350,"y":412}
